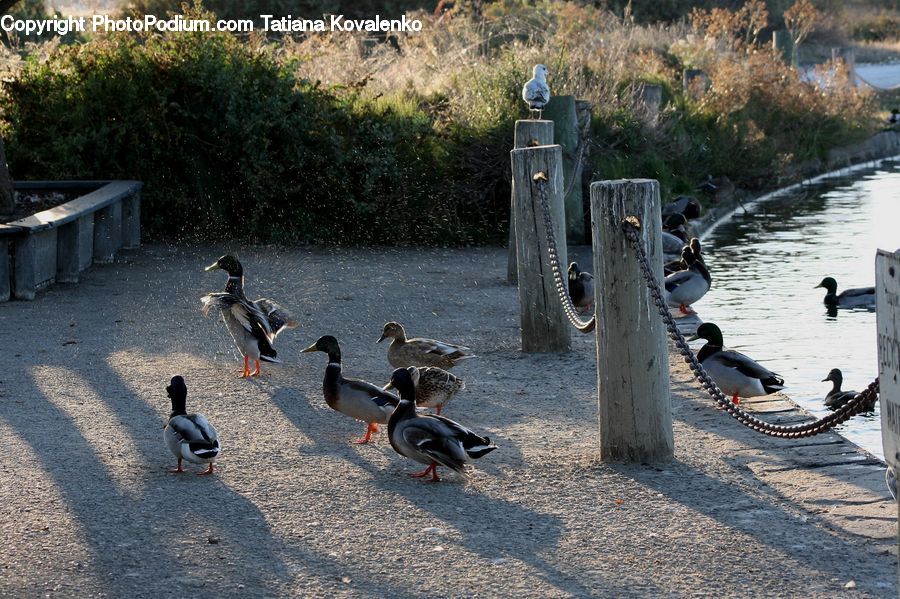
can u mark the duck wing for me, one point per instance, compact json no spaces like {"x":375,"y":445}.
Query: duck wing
{"x":431,"y":440}
{"x":196,"y":431}
{"x":750,"y":368}
{"x":363,"y":389}
{"x":474,"y":444}
{"x":278,"y":318}
{"x":439,"y":348}
{"x":247,"y":313}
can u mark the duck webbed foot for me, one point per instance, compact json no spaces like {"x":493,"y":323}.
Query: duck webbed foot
{"x":372,"y":428}
{"x":209,"y":470}
{"x":432,"y":470}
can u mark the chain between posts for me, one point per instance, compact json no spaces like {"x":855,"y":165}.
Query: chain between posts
{"x":861,"y":403}
{"x":584,"y":326}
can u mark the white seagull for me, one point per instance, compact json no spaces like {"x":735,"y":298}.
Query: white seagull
{"x":536,"y":92}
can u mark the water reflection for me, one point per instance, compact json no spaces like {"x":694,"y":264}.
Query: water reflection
{"x":765,"y":265}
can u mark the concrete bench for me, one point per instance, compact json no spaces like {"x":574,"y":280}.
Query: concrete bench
{"x":57,"y":244}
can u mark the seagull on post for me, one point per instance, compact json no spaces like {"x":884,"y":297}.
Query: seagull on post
{"x":536,"y":92}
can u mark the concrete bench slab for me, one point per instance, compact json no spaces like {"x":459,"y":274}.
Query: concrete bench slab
{"x":55,"y":245}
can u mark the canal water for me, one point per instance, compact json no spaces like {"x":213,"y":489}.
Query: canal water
{"x":765,"y":265}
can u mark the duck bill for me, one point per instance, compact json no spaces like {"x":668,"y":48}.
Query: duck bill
{"x":213,"y":266}
{"x":309,"y":349}
{"x":380,"y":339}
{"x":389,"y":386}
{"x":694,"y":338}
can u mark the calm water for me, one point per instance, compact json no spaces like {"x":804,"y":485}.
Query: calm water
{"x":764,"y":267}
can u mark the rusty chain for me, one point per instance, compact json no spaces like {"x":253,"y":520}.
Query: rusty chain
{"x":562,"y":289}
{"x":862,"y":402}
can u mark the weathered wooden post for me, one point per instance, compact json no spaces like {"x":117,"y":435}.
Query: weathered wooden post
{"x":635,"y":409}
{"x":887,"y":301}
{"x":783,"y":45}
{"x":650,"y":102}
{"x":527,"y":134}
{"x":563,"y":112}
{"x":545,"y":327}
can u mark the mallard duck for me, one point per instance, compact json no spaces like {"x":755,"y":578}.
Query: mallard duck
{"x":685,"y":287}
{"x":405,"y":352}
{"x":734,"y":373}
{"x":435,"y":387}
{"x":848,"y":298}
{"x":677,"y":265}
{"x":837,"y":398}
{"x":581,"y":287}
{"x":686,"y":206}
{"x":536,"y":92}
{"x":697,"y":250}
{"x":253,"y":325}
{"x":189,"y":436}
{"x":430,"y":439}
{"x":718,"y":188}
{"x":357,"y":399}
{"x":672,"y":242}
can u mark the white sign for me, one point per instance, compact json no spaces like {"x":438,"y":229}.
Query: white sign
{"x":887,"y":297}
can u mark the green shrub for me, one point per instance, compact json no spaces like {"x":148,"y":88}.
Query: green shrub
{"x":228,"y":143}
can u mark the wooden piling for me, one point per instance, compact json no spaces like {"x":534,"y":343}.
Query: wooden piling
{"x":563,"y":112}
{"x":545,"y":327}
{"x":528,"y":134}
{"x":650,"y":98}
{"x":635,"y":411}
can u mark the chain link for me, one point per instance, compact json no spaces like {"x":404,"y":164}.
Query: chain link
{"x":863,"y":402}
{"x":562,"y":289}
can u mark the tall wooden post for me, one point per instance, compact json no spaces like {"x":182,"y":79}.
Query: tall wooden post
{"x":650,"y":99}
{"x":562,"y":111}
{"x":528,"y":134}
{"x":635,"y":410}
{"x":545,"y":327}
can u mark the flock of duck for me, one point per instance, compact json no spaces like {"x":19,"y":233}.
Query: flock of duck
{"x":421,"y":379}
{"x":687,"y":280}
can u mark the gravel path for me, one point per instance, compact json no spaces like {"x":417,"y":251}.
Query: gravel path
{"x":87,"y":507}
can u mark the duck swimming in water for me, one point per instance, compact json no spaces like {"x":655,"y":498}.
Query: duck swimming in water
{"x":848,"y":298}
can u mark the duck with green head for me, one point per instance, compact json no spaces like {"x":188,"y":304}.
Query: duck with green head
{"x":430,"y":439}
{"x":859,"y":297}
{"x":253,"y":325}
{"x":736,"y":374}
{"x":355,"y":398}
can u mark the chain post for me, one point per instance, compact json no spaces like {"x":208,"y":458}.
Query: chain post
{"x":863,"y":402}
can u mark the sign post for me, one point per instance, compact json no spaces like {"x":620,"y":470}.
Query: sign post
{"x":887,"y":298}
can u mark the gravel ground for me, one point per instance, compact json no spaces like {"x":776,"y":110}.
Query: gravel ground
{"x":87,"y":507}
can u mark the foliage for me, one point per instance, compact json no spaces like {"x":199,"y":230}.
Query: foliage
{"x":231,"y":9}
{"x":878,"y":28}
{"x":321,"y":140}
{"x":800,"y":19}
{"x":226,"y":140}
